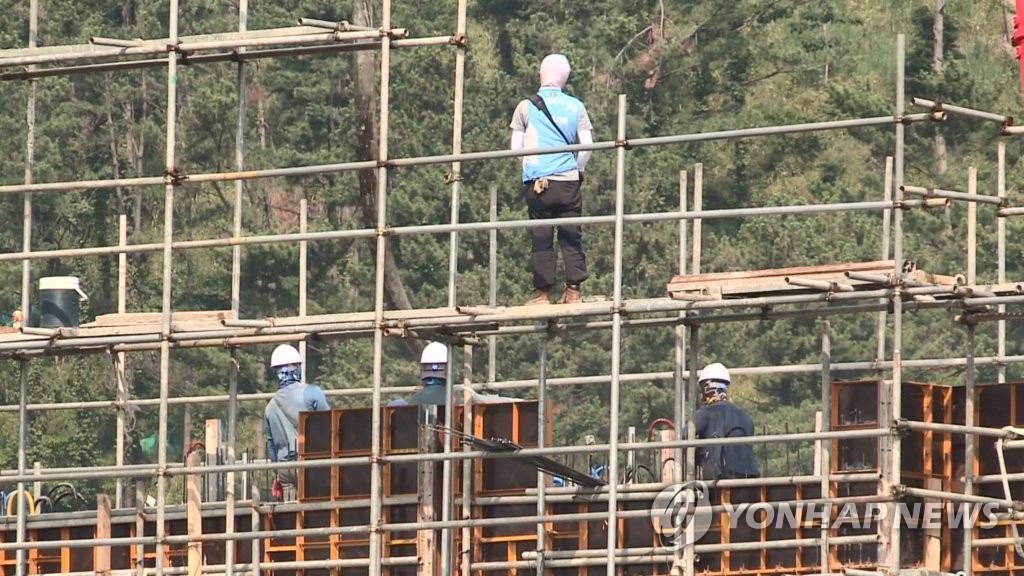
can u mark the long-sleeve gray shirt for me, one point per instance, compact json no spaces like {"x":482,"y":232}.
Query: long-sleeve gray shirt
{"x":281,"y":418}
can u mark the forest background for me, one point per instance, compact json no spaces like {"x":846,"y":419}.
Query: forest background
{"x":685,"y":67}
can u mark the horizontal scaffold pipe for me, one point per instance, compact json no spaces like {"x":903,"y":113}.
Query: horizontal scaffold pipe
{"x":875,"y":206}
{"x":297,"y":35}
{"x":668,"y":558}
{"x":791,"y":543}
{"x":938,"y":193}
{"x":866,"y":366}
{"x":1015,"y":505}
{"x":140,"y":470}
{"x":651,"y":496}
{"x":233,"y":56}
{"x":81,"y":185}
{"x":219,"y":569}
{"x":358,"y":530}
{"x":970,"y":112}
{"x":957,"y":429}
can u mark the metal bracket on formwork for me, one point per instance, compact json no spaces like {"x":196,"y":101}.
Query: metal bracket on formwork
{"x":458,"y":40}
{"x":624,"y":144}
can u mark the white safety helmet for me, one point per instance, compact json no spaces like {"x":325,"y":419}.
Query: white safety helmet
{"x":284,"y":355}
{"x":716,"y":372}
{"x":714,"y":380}
{"x":434,"y":361}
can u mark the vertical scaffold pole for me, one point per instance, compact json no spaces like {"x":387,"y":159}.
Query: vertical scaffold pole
{"x":971,"y":375}
{"x":1001,"y":259}
{"x":825,"y":454}
{"x":613,"y":421}
{"x":168,"y":276}
{"x":885,"y":240}
{"x":680,"y":345}
{"x":376,"y":468}
{"x":26,"y":289}
{"x":689,"y":401}
{"x":542,"y":426}
{"x":447,"y":534}
{"x":236,"y":298}
{"x":893,"y":477}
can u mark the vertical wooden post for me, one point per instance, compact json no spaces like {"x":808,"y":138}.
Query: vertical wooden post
{"x":818,"y":424}
{"x":101,"y":554}
{"x":668,"y":473}
{"x":213,"y":443}
{"x":425,"y":542}
{"x":194,"y":515}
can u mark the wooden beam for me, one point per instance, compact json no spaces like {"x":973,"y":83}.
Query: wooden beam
{"x":426,"y":547}
{"x":194,"y":521}
{"x":213,"y":441}
{"x":668,"y":473}
{"x":135,"y":318}
{"x":867,"y":267}
{"x":101,"y":554}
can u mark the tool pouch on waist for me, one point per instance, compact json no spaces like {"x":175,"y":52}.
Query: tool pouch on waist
{"x":539,"y":186}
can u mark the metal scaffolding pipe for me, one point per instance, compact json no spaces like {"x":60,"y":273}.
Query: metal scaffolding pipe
{"x":432,"y":229}
{"x":168,"y":470}
{"x":939,"y":193}
{"x":449,"y":158}
{"x":969,"y":112}
{"x":956,"y":429}
{"x":1015,"y":505}
{"x":232,"y":56}
{"x":185,"y":44}
{"x":565,"y":381}
{"x":1005,"y":212}
{"x":661,"y":550}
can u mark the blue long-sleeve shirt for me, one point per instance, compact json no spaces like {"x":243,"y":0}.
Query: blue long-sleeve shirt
{"x":281,"y":418}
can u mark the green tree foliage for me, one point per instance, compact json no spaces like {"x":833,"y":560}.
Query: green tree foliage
{"x":694,"y":67}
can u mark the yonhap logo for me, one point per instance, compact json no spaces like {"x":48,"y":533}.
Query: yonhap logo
{"x":681,"y":514}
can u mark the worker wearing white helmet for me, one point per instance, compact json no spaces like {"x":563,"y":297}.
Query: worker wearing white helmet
{"x":720,"y":418}
{"x":433,"y":375}
{"x":281,"y":416}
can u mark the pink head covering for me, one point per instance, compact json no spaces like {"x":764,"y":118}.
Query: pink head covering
{"x":554,"y":71}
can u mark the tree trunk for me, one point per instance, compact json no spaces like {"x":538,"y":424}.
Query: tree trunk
{"x":366,"y":149}
{"x":939,"y":144}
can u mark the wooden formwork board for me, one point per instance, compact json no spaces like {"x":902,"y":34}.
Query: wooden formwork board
{"x":42,"y":560}
{"x":762,"y":282}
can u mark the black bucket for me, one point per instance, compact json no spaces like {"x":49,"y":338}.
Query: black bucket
{"x":59,"y":297}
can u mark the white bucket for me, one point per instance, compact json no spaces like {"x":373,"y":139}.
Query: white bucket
{"x":59,"y":297}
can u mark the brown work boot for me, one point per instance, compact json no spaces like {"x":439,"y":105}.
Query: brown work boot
{"x":539,"y":297}
{"x":571,"y":295}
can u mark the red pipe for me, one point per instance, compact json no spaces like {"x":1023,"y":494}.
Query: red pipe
{"x":654,"y":423}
